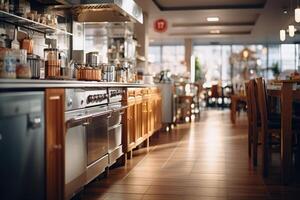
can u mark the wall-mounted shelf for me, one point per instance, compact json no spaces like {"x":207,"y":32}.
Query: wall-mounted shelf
{"x":30,"y":24}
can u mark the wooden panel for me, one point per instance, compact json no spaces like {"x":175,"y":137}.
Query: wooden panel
{"x":142,"y":117}
{"x":55,"y":143}
{"x":139,"y":120}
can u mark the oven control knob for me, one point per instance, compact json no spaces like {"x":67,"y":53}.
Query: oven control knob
{"x":90,"y":99}
{"x":99,"y":97}
{"x":95,"y":98}
{"x":70,"y":102}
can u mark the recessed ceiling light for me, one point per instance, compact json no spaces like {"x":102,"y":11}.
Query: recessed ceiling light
{"x":212,"y":19}
{"x":214,"y":31}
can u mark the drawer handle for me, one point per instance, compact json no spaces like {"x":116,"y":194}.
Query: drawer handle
{"x":54,"y":98}
{"x":57,"y":147}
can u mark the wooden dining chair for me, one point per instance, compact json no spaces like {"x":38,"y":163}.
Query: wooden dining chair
{"x":253,"y":120}
{"x":249,"y":116}
{"x":266,"y":126}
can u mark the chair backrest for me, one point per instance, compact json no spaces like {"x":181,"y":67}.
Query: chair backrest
{"x":214,"y":91}
{"x":252,"y":94}
{"x":262,"y":101}
{"x":249,"y":105}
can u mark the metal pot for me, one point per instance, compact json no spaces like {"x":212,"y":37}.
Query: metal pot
{"x":35,"y":64}
{"x":92,"y":59}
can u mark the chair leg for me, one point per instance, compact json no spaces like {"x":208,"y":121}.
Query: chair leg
{"x":254,"y":145}
{"x":297,"y":155}
{"x":249,"y":140}
{"x":265,"y":150}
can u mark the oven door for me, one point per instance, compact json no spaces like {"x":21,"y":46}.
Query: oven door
{"x":96,"y":132}
{"x":97,"y":147}
{"x":75,"y":152}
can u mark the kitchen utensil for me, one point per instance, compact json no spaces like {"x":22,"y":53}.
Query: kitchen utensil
{"x":15,"y":43}
{"x":89,"y":73}
{"x":5,"y":41}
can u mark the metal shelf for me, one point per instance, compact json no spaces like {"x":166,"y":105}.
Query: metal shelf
{"x":30,"y":24}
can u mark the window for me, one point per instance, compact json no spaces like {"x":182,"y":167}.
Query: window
{"x":210,"y":60}
{"x":167,"y":57}
{"x":288,"y":57}
{"x":226,"y":67}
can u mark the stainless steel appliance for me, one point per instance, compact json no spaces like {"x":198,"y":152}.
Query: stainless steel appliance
{"x":168,"y":103}
{"x":86,"y":148}
{"x":104,"y":10}
{"x":115,"y":125}
{"x":22,"y":146}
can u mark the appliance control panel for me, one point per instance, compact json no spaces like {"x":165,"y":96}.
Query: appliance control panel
{"x":96,"y":97}
{"x":115,"y":94}
{"x":74,"y":98}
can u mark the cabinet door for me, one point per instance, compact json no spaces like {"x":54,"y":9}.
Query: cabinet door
{"x":131,"y":124}
{"x":139,"y":120}
{"x":145,"y":117}
{"x":55,"y":131}
{"x":128,"y":128}
{"x":151,"y":114}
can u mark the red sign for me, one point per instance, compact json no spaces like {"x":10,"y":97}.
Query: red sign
{"x":160,"y":25}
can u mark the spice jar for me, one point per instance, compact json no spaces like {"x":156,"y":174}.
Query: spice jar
{"x":22,"y":69}
{"x":7,"y":63}
{"x":52,"y":64}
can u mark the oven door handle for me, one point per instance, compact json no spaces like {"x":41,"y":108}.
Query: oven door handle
{"x":119,"y":109}
{"x":92,"y":115}
{"x":76,"y":121}
{"x":84,"y":119}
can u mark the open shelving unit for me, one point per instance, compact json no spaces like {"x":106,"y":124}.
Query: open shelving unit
{"x":30,"y":24}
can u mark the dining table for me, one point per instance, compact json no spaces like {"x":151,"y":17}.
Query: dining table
{"x":288,"y":92}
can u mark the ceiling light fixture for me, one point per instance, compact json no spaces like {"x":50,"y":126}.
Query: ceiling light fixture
{"x":292,"y":30}
{"x":213,"y":19}
{"x":297,"y":13}
{"x":282,"y":35}
{"x":215,"y":31}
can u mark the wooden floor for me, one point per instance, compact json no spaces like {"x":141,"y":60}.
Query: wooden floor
{"x":203,"y":160}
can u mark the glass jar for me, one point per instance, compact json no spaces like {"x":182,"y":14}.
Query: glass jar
{"x":22,"y":69}
{"x":7,"y":63}
{"x":52,"y":63}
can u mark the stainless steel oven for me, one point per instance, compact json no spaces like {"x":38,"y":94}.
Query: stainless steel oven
{"x":86,"y":147}
{"x":75,"y":152}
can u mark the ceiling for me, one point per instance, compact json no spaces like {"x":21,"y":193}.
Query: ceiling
{"x":241,"y":21}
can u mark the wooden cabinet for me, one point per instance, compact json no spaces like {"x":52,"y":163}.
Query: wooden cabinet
{"x":55,"y":130}
{"x":147,"y":115}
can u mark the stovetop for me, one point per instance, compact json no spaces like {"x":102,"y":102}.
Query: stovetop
{"x":83,"y":98}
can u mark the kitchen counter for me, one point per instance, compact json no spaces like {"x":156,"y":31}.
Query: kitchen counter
{"x":31,"y":83}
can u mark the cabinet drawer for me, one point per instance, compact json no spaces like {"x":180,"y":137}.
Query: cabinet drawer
{"x":114,"y":137}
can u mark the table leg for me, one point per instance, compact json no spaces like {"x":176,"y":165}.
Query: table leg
{"x":233,"y":109}
{"x":286,"y":131}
